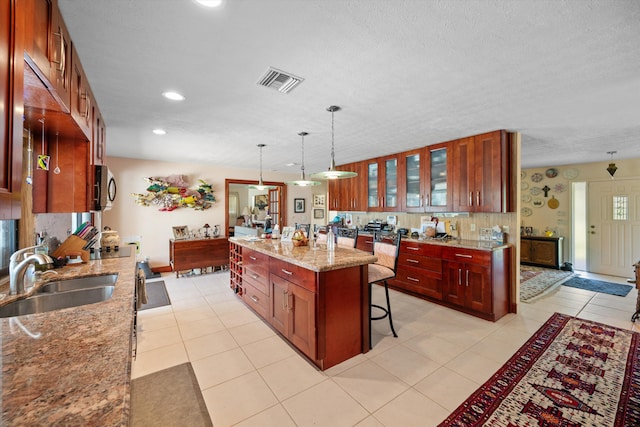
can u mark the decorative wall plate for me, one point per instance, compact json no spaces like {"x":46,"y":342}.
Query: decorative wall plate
{"x":537,"y":177}
{"x":523,"y":174}
{"x":526,"y":211}
{"x":551,"y":172}
{"x":553,"y":203}
{"x":538,"y":203}
{"x":524,"y":185}
{"x":535,"y":191}
{"x":570,"y":173}
{"x":526,"y":198}
{"x":559,"y":188}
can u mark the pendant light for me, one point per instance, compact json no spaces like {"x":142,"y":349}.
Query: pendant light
{"x":612,"y":168}
{"x":332,"y":173}
{"x":260,"y":185}
{"x":303,"y":181}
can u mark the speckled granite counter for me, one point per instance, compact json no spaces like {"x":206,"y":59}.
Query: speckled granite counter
{"x":71,"y":367}
{"x":462,"y":243}
{"x":318,"y":259}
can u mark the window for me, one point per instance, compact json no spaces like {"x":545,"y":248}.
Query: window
{"x":620,"y":208}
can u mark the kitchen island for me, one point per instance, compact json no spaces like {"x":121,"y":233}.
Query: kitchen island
{"x":316,"y":299}
{"x":72,"y":366}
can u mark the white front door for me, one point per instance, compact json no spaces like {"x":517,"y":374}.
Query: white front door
{"x":614,"y":226}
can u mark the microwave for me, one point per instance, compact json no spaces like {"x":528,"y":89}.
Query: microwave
{"x":104,"y":189}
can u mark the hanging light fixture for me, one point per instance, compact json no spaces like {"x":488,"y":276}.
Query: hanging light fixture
{"x":332,"y":173}
{"x":260,"y":185}
{"x":303,"y":181}
{"x":612,"y":168}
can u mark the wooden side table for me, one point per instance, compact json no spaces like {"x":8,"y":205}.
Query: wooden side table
{"x":636,"y":315}
{"x":198,"y":253}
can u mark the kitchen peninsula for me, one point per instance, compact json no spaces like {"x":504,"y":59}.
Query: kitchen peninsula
{"x":71,"y":366}
{"x":318,"y":300}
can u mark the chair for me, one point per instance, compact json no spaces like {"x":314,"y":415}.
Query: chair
{"x":304,"y":227}
{"x":381,"y":271}
{"x":321,"y":237}
{"x":347,"y":237}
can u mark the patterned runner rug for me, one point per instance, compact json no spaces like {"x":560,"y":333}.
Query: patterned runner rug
{"x":571,"y":372}
{"x":536,"y":282}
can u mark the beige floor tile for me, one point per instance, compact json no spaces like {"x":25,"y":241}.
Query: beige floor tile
{"x":153,"y":321}
{"x":525,"y":324}
{"x":194,"y":314}
{"x":200,"y":327}
{"x":238,"y":317}
{"x":370,"y":384}
{"x":238,"y":399}
{"x":275,"y":416}
{"x":251,"y":332}
{"x":435,"y":348}
{"x":411,"y":409}
{"x":290,"y":376}
{"x":208,"y":345}
{"x":267,"y":351}
{"x":221,"y":367}
{"x":225,"y":306}
{"x":474,"y":366}
{"x":406,"y":364}
{"x":497,"y":350}
{"x":158,"y":359}
{"x":370,"y":421}
{"x":151,"y":340}
{"x":325,"y":405}
{"x":447,"y":388}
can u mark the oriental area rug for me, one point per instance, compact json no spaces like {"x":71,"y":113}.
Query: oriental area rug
{"x":536,"y":282}
{"x":571,"y":373}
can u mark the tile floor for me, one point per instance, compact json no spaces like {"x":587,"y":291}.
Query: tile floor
{"x":250,"y":377}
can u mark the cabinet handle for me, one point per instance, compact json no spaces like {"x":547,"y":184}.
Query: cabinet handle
{"x":284,"y":299}
{"x":415,"y":261}
{"x":286,"y":271}
{"x":477,"y":198}
{"x":459,"y":277}
{"x":413,"y":279}
{"x":254,"y":299}
{"x":464,"y":256}
{"x":62,"y":60}
{"x":253,"y":258}
{"x":467,"y":278}
{"x":411,"y":248}
{"x":255,"y":276}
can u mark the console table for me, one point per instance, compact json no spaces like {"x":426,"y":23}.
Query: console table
{"x":198,"y":253}
{"x":541,"y":251}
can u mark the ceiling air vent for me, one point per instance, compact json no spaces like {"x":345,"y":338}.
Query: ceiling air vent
{"x":280,"y":80}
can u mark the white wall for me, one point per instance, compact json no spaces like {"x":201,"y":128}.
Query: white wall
{"x":155,"y":227}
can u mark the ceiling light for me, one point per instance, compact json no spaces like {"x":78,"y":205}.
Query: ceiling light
{"x":160,"y":131}
{"x":210,"y":3}
{"x":303,"y":182}
{"x":260,"y":185}
{"x":332,"y":173}
{"x":174,"y":96}
{"x":612,"y":168}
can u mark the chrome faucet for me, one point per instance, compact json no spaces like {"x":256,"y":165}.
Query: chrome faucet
{"x":17,"y":268}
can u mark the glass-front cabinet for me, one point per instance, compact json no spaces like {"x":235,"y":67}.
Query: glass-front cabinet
{"x":424,"y":179}
{"x":382,"y":184}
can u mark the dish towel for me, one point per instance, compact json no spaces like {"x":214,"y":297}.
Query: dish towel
{"x":141,"y":283}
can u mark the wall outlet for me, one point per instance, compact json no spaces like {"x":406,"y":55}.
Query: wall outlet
{"x":472,"y":227}
{"x":453,"y":226}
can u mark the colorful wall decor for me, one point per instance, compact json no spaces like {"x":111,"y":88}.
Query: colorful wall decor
{"x":173,"y":192}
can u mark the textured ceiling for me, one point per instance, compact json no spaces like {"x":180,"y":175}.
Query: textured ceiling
{"x":407,"y":73}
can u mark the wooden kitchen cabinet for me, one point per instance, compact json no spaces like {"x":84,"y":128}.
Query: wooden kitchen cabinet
{"x":476,"y":281}
{"x":419,"y":269}
{"x":382,"y":184}
{"x":198,"y":253}
{"x":482,"y":173}
{"x":81,"y":97}
{"x":347,"y":194}
{"x":364,"y":242}
{"x":541,"y":251}
{"x":424,"y":179}
{"x":99,"y":138}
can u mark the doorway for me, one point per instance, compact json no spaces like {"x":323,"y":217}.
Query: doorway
{"x":612,"y":228}
{"x":237,"y":191}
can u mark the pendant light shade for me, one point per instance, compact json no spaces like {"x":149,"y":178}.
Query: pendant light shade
{"x":260,"y":185}
{"x":303,"y":181}
{"x":332,"y":173}
{"x":612,"y":168}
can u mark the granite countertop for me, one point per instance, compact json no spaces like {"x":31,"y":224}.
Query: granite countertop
{"x":318,"y":259}
{"x":462,"y":243}
{"x":72,"y":366}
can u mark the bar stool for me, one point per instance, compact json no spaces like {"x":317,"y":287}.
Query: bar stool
{"x":347,"y":237}
{"x":381,"y":271}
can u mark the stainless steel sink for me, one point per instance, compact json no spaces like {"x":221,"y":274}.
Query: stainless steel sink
{"x":63,"y":294}
{"x":79,"y":283}
{"x":41,"y":303}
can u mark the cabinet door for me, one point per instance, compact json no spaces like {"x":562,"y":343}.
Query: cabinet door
{"x":544,"y":252}
{"x":382,"y":184}
{"x":38,"y":15}
{"x":278,"y":310}
{"x":60,"y":57}
{"x":525,"y":251}
{"x":6,"y":107}
{"x":437,"y":193}
{"x":463,"y":173}
{"x":453,"y":288}
{"x":302,"y":326}
{"x":489,"y":187}
{"x":80,"y":96}
{"x":478,"y":289}
{"x":413,"y":188}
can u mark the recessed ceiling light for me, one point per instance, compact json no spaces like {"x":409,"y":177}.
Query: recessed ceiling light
{"x":210,"y":3}
{"x":174,"y":96}
{"x":160,"y":131}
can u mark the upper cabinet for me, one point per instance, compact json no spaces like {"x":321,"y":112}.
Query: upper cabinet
{"x":81,"y":98}
{"x":482,"y":173}
{"x":423,"y":179}
{"x":348,"y":194}
{"x":382,"y":184}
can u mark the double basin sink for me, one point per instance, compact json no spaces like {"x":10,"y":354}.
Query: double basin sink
{"x":63,"y":294}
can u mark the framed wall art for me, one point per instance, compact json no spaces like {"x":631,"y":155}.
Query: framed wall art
{"x":261,"y":201}
{"x":318,"y":213}
{"x":180,"y":232}
{"x":298,"y":205}
{"x":318,"y":200}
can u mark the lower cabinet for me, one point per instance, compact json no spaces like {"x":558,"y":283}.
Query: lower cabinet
{"x":419,"y":269}
{"x":476,"y":281}
{"x":198,"y":253}
{"x":541,"y":251}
